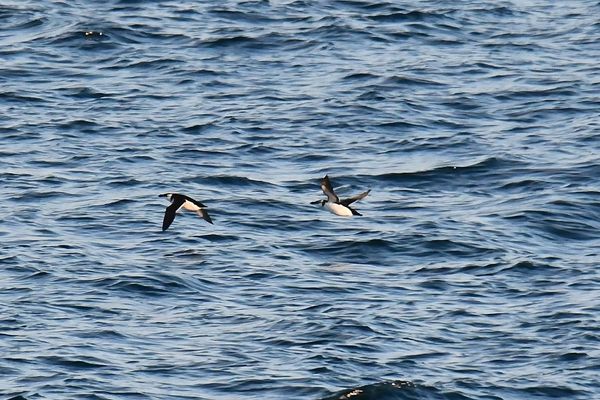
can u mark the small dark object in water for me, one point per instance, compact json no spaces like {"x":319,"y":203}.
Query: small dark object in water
{"x":93,"y":35}
{"x":375,"y":391}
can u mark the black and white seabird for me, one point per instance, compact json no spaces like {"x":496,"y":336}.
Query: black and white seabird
{"x":334,"y":204}
{"x":179,"y":201}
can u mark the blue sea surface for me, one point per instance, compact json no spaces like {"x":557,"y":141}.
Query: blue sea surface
{"x":474,"y":272}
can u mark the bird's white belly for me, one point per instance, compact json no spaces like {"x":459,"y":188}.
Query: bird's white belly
{"x":338,"y":209}
{"x":188,"y":205}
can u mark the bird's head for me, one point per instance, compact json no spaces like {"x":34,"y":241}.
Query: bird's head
{"x":167,"y":195}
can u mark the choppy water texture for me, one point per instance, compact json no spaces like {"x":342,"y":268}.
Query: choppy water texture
{"x":473,"y":273}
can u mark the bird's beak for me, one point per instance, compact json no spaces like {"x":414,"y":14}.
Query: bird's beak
{"x":315,"y":202}
{"x":162,"y":195}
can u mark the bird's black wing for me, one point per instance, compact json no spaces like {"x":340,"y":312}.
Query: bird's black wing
{"x":171,"y":211}
{"x":204,"y":214}
{"x":328,"y":190}
{"x":188,"y":198}
{"x":347,"y":202}
{"x":354,"y":212}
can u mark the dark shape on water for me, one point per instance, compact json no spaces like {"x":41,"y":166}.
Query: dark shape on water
{"x":396,"y":390}
{"x":179,"y":201}
{"x":393,"y":390}
{"x":333,"y":202}
{"x":94,"y":35}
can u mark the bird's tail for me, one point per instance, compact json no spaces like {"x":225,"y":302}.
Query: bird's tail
{"x":204,"y":214}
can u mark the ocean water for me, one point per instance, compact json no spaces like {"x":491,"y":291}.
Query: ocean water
{"x":472,"y":274}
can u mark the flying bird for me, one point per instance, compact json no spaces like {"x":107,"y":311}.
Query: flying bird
{"x":333,"y":202}
{"x":179,"y":201}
